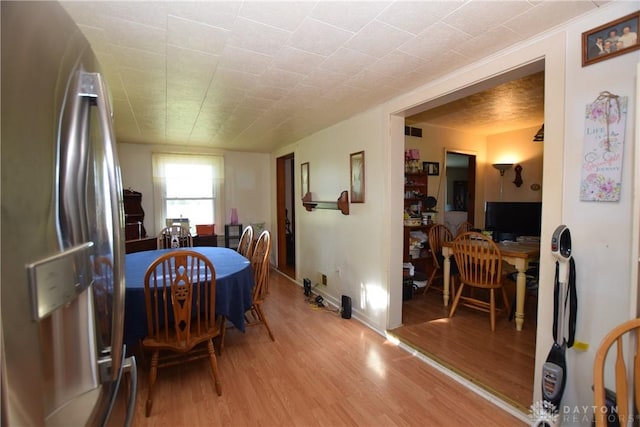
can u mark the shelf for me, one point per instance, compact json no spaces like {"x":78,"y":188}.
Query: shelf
{"x":415,"y":191}
{"x":419,"y":227}
{"x":342,"y":204}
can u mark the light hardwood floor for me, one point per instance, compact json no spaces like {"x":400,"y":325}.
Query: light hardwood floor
{"x":321,"y":370}
{"x":501,"y":362}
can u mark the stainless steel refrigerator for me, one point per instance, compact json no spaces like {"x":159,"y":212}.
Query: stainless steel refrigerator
{"x":62,"y":236}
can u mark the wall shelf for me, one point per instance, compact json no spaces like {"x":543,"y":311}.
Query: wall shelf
{"x":342,"y":204}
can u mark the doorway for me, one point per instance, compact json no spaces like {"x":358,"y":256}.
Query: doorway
{"x":461,"y":342}
{"x":460,"y":184}
{"x":285,"y":215}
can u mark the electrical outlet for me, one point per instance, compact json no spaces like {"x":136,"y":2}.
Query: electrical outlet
{"x":323,"y":279}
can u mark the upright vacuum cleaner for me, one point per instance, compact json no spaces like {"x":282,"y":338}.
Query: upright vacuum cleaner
{"x":554,"y":370}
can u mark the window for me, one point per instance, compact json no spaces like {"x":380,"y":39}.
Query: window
{"x":188,"y":186}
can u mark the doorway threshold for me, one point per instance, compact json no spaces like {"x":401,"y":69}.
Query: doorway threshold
{"x":499,"y":399}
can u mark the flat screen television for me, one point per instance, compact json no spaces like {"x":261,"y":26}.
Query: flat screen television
{"x":513,"y":218}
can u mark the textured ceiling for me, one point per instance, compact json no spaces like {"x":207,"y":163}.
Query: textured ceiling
{"x":257,"y":75}
{"x":513,"y":105}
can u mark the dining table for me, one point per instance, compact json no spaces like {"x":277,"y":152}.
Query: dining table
{"x":517,"y":254}
{"x":234,"y":287}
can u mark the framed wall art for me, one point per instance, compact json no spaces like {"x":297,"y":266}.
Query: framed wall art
{"x":304,"y":178}
{"x":431,"y":168}
{"x":611,"y":39}
{"x":357,"y":177}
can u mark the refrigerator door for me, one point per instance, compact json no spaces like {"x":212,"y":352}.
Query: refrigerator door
{"x":62,"y":246}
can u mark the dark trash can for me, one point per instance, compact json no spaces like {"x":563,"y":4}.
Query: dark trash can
{"x":407,"y":289}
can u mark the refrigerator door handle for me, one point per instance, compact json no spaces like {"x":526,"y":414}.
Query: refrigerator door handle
{"x":131,"y":367}
{"x":94,"y":87}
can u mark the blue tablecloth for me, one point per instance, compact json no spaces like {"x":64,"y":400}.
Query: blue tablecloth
{"x":234,"y":285}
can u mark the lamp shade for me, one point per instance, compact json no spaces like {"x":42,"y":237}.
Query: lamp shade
{"x":539,"y":136}
{"x":502,"y":167}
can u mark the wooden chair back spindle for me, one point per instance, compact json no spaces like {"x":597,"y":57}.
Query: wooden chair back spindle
{"x":464,"y":227}
{"x":245,"y":245}
{"x":626,"y":332}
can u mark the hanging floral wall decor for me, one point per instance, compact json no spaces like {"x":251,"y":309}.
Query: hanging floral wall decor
{"x":605,"y":120}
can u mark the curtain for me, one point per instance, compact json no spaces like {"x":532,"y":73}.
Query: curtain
{"x":189,"y":176}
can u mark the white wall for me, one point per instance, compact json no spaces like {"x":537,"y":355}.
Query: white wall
{"x":247,"y":187}
{"x":600,"y":231}
{"x":247,"y":182}
{"x":346,"y":248}
{"x":515,"y":147}
{"x":367,"y":245}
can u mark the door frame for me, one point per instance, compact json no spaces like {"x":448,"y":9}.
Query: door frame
{"x":285,"y":185}
{"x":471,"y":182}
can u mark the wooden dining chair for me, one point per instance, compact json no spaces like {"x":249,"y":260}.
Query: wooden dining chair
{"x":625,"y":386}
{"x":438,"y":234}
{"x":464,"y":227}
{"x":479,"y":264}
{"x":180,"y":301}
{"x":175,"y":236}
{"x":260,"y":265}
{"x":245,"y":245}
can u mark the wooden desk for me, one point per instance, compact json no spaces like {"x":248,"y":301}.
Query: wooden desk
{"x":144,"y":244}
{"x":205,"y":240}
{"x":517,"y":254}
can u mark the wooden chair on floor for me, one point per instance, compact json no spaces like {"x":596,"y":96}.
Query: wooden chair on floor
{"x":464,"y":227}
{"x":245,"y":245}
{"x":175,"y":236}
{"x":479,"y":263}
{"x":180,"y":301}
{"x":260,"y":265}
{"x":625,"y":387}
{"x":438,"y":234}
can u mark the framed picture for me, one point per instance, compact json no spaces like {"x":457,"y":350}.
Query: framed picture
{"x":431,"y":168}
{"x":304,"y":178}
{"x":611,"y":39}
{"x":459,"y":195}
{"x":357,"y":177}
